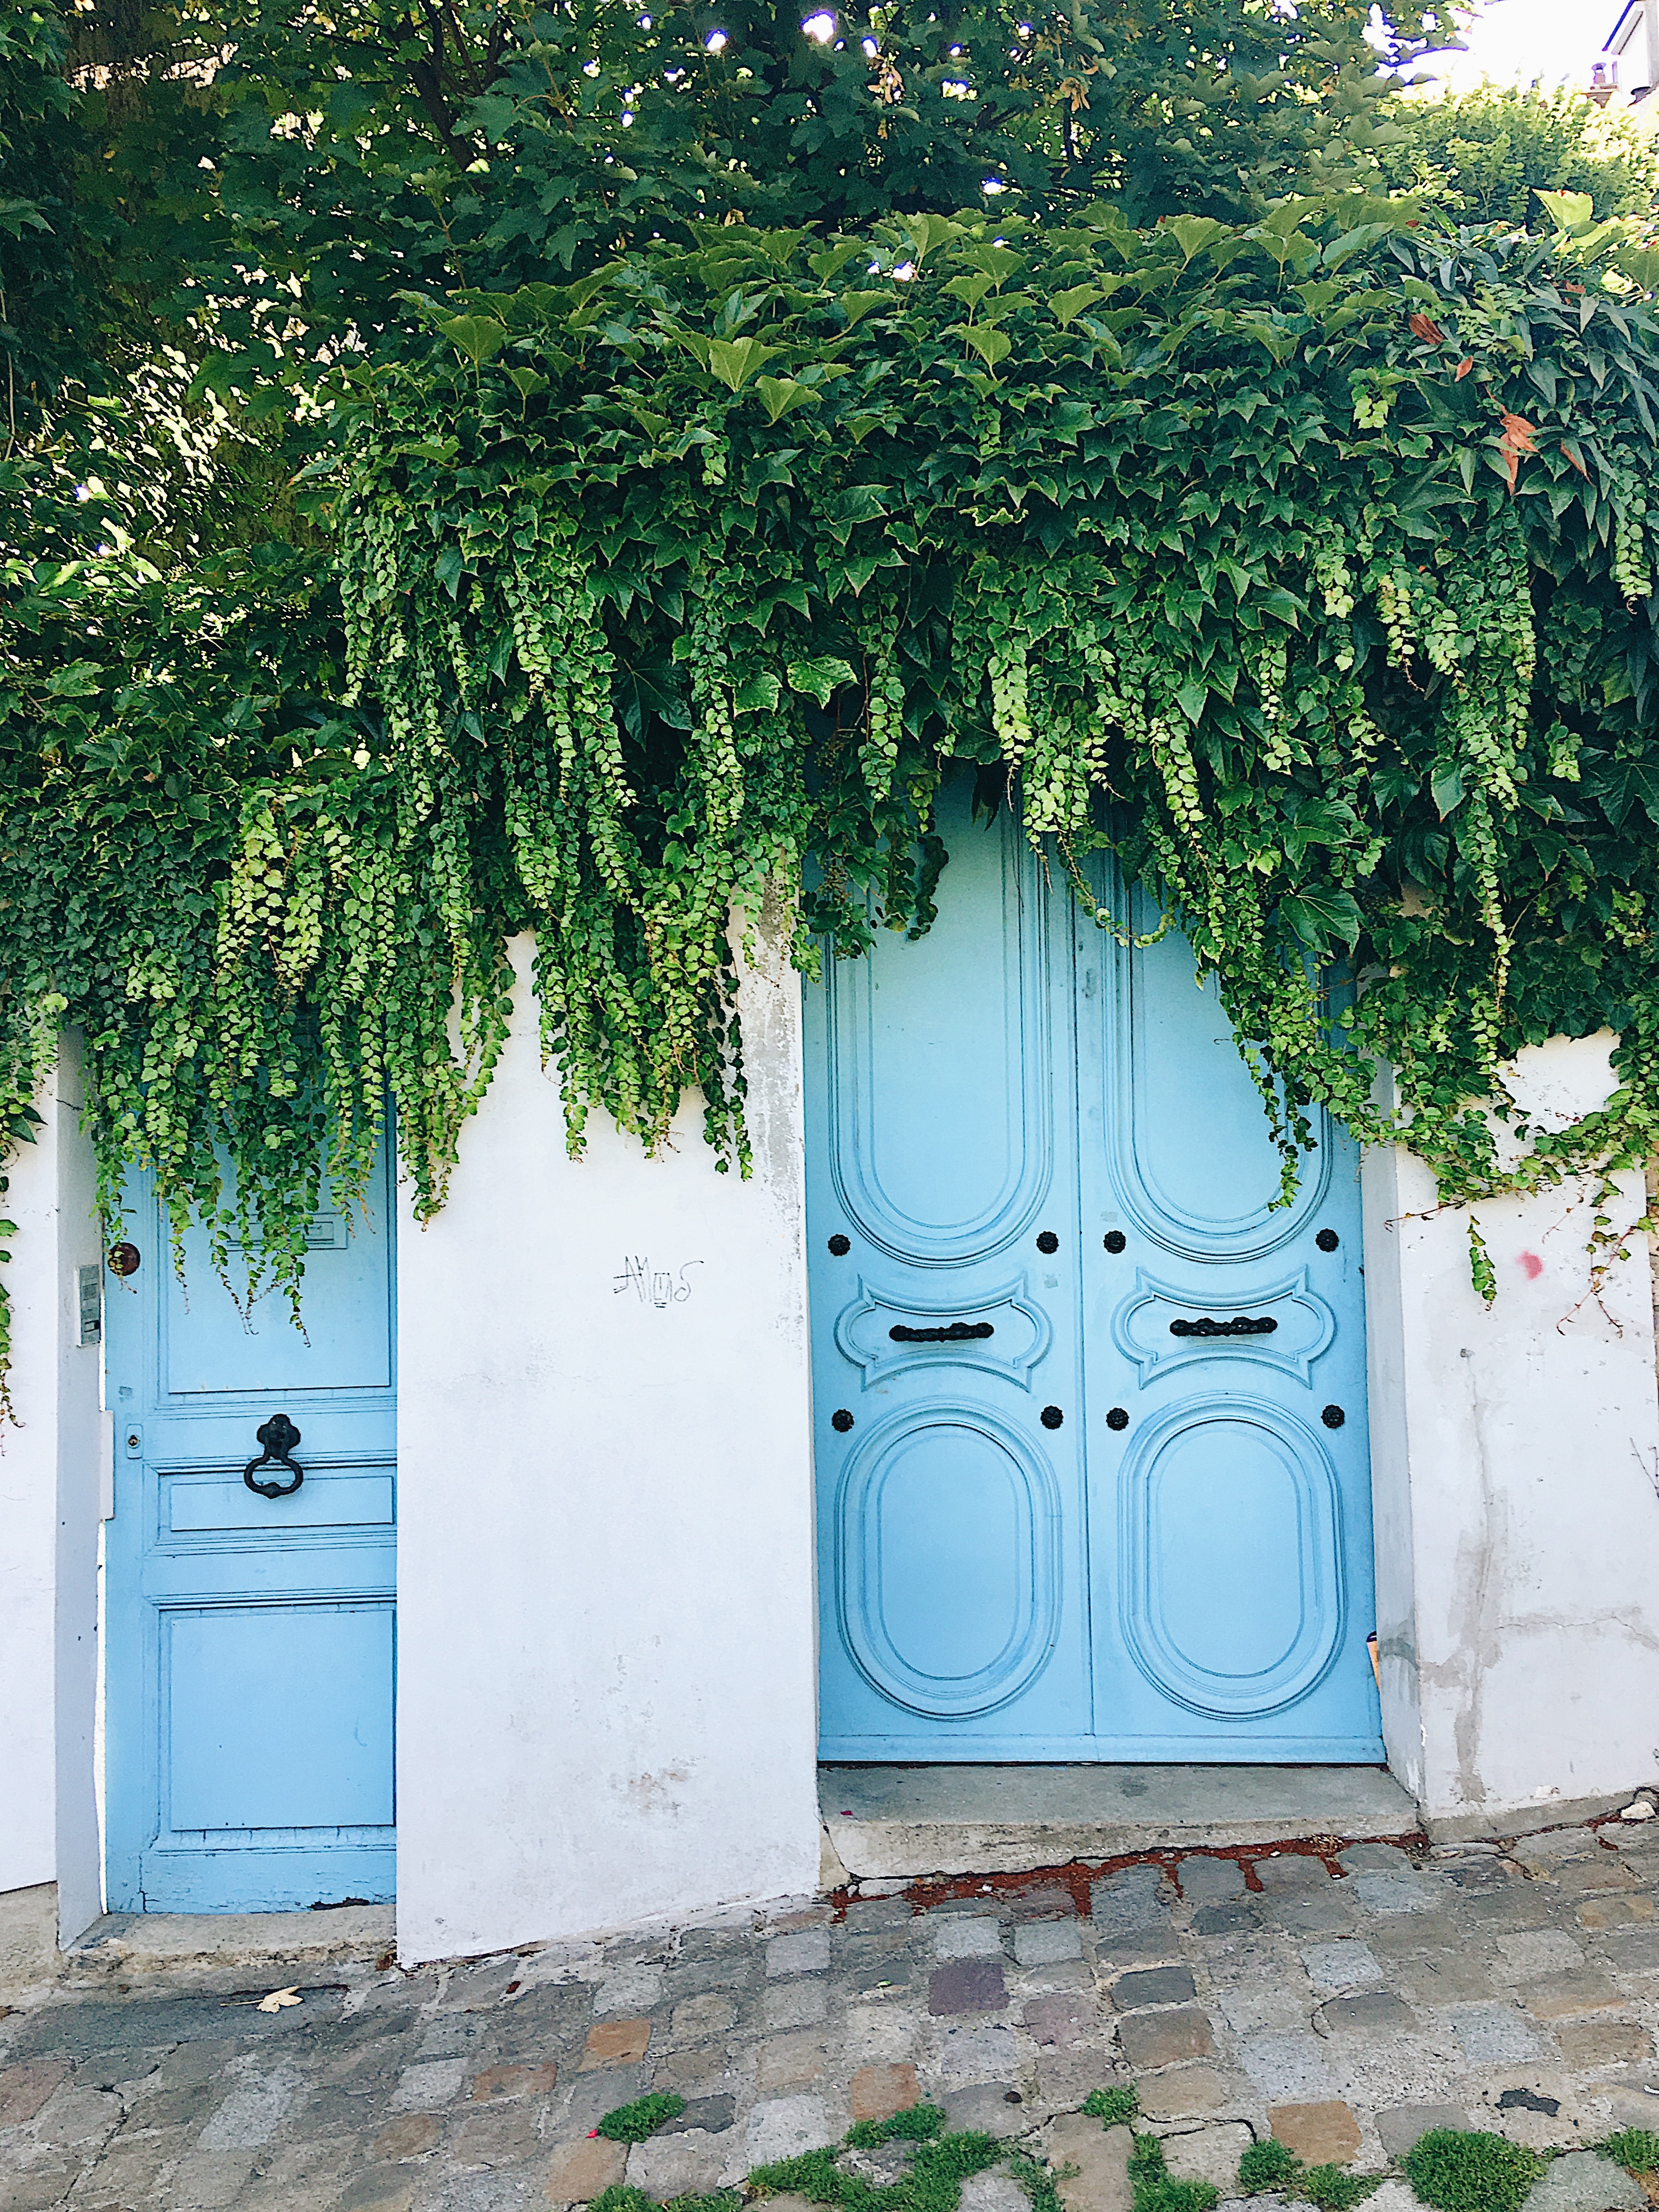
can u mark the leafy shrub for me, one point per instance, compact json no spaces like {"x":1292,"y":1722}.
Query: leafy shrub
{"x":1457,"y":2170}
{"x":1268,"y":2165}
{"x":1636,"y":2147}
{"x":632,"y":2123}
{"x":1117,"y":2107}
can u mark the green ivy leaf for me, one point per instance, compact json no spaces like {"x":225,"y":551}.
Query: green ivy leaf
{"x":734,"y":361}
{"x":1068,"y":304}
{"x":821,"y":679}
{"x":1322,"y":917}
{"x":479,"y":337}
{"x":778,"y":395}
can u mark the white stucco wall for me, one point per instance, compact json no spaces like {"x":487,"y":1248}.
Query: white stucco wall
{"x":50,"y":1465}
{"x":1515,"y":1486}
{"x":607,"y":1672}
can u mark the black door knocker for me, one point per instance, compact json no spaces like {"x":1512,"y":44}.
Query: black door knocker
{"x":279,"y":1436}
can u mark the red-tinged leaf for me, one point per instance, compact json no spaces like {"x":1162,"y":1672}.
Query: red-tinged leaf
{"x":1517,"y":439}
{"x":1574,"y":456}
{"x":1464,"y":368}
{"x":1420,"y":326}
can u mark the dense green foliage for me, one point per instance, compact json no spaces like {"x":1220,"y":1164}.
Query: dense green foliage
{"x":259,"y":179}
{"x":1294,"y":580}
{"x":1483,"y":155}
{"x":932,"y":2182}
{"x":1636,"y":2147}
{"x":1267,"y":2166}
{"x":1152,"y":2189}
{"x":636,"y":2123}
{"x":1116,"y":2106}
{"x":1456,"y":2170}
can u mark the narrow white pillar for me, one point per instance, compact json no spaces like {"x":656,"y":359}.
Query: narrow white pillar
{"x":1516,"y":1489}
{"x":50,"y":1468}
{"x":606,"y":1668}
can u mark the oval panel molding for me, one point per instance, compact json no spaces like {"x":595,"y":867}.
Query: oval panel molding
{"x":1233,"y":1598}
{"x":1170,"y":1044}
{"x":942,"y":1111}
{"x":948,"y":1585}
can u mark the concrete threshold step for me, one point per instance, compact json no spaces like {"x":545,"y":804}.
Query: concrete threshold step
{"x":151,"y":1942}
{"x":885,"y":1821}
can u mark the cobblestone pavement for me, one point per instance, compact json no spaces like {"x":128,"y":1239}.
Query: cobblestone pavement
{"x":1344,"y":2002}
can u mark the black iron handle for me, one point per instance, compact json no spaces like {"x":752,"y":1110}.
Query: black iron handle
{"x":278,"y":1437}
{"x":959,"y":1332}
{"x":1240,"y":1325}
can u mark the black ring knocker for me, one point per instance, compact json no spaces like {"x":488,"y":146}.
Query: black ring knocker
{"x":279,"y":1436}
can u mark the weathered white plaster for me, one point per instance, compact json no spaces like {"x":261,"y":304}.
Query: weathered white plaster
{"x":49,"y":1465}
{"x":607,"y":1675}
{"x":1515,"y":1488}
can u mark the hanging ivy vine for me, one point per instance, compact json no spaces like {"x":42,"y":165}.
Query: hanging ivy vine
{"x":1305,"y":569}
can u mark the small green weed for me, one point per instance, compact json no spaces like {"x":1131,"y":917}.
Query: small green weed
{"x":1460,"y":2169}
{"x":1334,"y":2190}
{"x":1270,"y":2165}
{"x":918,"y":2124}
{"x":1117,"y":2107}
{"x":1147,"y":2161}
{"x":1636,"y":2147}
{"x":619,"y":2197}
{"x":812,"y":2175}
{"x":934,"y":2184}
{"x":1038,"y":2181}
{"x":633,"y":2123}
{"x":1167,"y":2195}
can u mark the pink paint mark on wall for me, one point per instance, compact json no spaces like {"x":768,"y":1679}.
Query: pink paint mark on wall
{"x":1534,"y":1266}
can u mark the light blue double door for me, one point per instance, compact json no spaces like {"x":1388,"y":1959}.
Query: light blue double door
{"x":1090,"y":1410}
{"x":249,"y":1637}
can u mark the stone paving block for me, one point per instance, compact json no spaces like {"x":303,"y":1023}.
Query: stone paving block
{"x":796,"y":2004}
{"x":1375,"y":1858}
{"x":1100,"y":2157}
{"x":1048,"y":1943}
{"x":1498,"y":2035}
{"x":1325,"y":2134}
{"x":700,"y":2069}
{"x":1046,"y":1901}
{"x":710,"y":2115}
{"x":1599,"y":1912}
{"x":1532,"y":1951}
{"x":1586,"y":2043}
{"x":1564,"y":1996}
{"x":702,"y":2016}
{"x":783,"y":2127}
{"x":1342,"y":1966}
{"x":990,"y":2108}
{"x":1437,"y":1978}
{"x":24,"y":2088}
{"x":966,"y":1985}
{"x":1390,"y":1892}
{"x":1131,"y":1915}
{"x":1288,"y":2068}
{"x":878,"y":2092}
{"x":1605,"y":1871}
{"x":1333,"y":1914}
{"x":1257,"y":2001}
{"x":1582,"y":2182}
{"x":1161,"y":1985}
{"x":806,"y":1952}
{"x":616,"y":2042}
{"x":677,"y":2165}
{"x":1232,"y":1917}
{"x":1375,"y":2012}
{"x":1401,"y":2126}
{"x":382,"y":2189}
{"x":1186,"y":2092}
{"x":791,"y":2062}
{"x":985,"y":2052}
{"x":867,"y":1915}
{"x":878,"y":2033}
{"x":580,"y":2171}
{"x":1208,"y":1881}
{"x":494,"y":2136}
{"x":590,"y":2096}
{"x":1065,"y":2078}
{"x":514,"y":2081}
{"x":1209,"y":2154}
{"x":993,"y":2192}
{"x":1151,"y":2039}
{"x":967,"y":1939}
{"x":1629,"y":2104}
{"x":411,"y":2137}
{"x":1059,"y":2020}
{"x":1292,"y":1873}
{"x":1550,"y":1846}
{"x":1535,"y":2107}
{"x":629,"y":1990}
{"x":423,"y":2088}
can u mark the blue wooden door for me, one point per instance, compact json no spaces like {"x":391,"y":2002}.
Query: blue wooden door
{"x":1090,"y":1410}
{"x":250,"y":1639}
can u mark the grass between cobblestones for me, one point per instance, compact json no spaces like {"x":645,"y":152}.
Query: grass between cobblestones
{"x":1450,"y":2169}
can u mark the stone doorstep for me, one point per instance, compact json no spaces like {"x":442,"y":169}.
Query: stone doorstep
{"x":157,"y":1943}
{"x":891,"y":1822}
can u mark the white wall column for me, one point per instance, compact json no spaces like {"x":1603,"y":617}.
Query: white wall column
{"x":1516,"y":1489}
{"x":52,"y":1463}
{"x":607,"y":1662}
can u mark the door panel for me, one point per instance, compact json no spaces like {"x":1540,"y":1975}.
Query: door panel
{"x":952,"y":1587}
{"x":250,"y":1647}
{"x":1104,"y":1495}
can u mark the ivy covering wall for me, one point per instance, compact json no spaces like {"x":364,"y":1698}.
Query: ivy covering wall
{"x":1305,"y":564}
